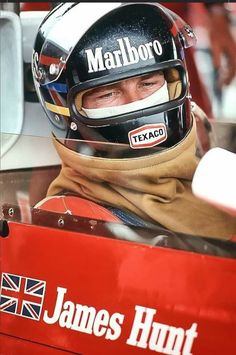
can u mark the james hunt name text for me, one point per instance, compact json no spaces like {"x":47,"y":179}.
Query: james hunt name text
{"x":145,"y":333}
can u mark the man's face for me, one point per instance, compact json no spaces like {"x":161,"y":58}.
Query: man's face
{"x":124,"y":91}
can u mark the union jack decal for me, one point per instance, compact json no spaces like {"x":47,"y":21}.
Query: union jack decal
{"x":22,"y":296}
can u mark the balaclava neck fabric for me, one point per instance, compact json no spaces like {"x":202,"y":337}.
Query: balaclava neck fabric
{"x":157,"y":187}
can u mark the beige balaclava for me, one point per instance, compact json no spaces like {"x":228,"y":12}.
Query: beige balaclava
{"x":156,"y":187}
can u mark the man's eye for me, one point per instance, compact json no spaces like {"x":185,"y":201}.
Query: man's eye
{"x":148,"y":83}
{"x":104,"y":96}
{"x":107,"y":95}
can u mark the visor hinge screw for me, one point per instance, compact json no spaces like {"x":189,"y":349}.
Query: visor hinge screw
{"x":54,"y":69}
{"x":73,"y":126}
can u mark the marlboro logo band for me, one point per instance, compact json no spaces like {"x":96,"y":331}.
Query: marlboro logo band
{"x":125,"y":55}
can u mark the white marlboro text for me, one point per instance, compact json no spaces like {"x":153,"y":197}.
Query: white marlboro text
{"x":125,"y":55}
{"x":159,"y":337}
{"x":147,"y":136}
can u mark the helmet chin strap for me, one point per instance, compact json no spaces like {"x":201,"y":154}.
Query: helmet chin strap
{"x":158,"y":97}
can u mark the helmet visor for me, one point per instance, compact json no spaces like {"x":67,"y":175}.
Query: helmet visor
{"x":133,"y":94}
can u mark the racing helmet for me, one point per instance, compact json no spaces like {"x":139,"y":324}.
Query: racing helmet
{"x":85,"y":49}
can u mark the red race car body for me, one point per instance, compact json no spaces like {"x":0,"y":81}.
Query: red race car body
{"x":88,"y":285}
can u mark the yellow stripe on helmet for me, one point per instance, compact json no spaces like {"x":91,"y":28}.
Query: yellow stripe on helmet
{"x":58,"y":109}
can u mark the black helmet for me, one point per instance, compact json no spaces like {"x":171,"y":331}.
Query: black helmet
{"x":84,"y":46}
